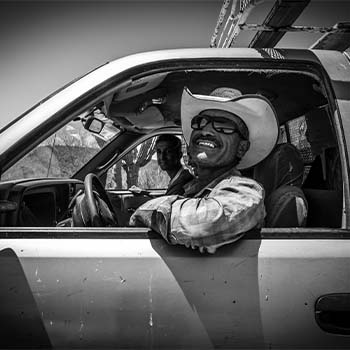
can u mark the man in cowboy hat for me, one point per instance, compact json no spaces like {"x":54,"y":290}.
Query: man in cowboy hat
{"x":225,"y":131}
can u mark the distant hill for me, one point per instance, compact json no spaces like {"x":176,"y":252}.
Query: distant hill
{"x":63,"y":161}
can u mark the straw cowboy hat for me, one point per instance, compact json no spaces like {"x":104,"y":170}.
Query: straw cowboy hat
{"x":254,"y":110}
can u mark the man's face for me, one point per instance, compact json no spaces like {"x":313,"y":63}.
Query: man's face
{"x":210,"y":148}
{"x":168,"y":157}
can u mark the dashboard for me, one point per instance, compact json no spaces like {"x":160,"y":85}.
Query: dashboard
{"x":36,"y":202}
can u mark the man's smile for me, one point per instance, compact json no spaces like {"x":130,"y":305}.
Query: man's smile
{"x":206,"y":142}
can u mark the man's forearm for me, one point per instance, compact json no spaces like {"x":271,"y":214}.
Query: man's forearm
{"x":226,"y":213}
{"x":210,"y":220}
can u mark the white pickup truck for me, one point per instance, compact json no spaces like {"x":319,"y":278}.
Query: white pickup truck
{"x":90,"y":286}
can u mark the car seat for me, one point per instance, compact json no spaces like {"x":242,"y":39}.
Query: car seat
{"x":281,"y":175}
{"x":323,"y":186}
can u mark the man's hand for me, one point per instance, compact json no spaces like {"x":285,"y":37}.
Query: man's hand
{"x":155,"y":214}
{"x":139,"y":191}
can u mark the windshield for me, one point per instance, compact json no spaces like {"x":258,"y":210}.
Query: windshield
{"x":67,"y":150}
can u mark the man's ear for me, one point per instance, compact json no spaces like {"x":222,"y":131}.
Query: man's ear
{"x":242,"y":148}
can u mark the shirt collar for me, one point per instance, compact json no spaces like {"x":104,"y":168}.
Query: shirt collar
{"x":176,"y":176}
{"x":195,"y":189}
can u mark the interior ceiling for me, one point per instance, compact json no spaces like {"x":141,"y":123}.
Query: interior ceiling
{"x":292,"y":94}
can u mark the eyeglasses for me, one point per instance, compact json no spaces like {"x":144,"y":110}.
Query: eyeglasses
{"x":222,"y":125}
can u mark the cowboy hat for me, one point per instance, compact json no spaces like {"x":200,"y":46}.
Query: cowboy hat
{"x":254,"y":110}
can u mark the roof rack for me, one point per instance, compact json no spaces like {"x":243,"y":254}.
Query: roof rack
{"x":338,"y":40}
{"x":278,"y":21}
{"x":283,"y":14}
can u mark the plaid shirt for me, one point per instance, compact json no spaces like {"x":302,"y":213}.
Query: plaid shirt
{"x":209,"y":217}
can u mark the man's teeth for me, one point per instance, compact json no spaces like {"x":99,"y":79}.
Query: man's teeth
{"x":206,"y":143}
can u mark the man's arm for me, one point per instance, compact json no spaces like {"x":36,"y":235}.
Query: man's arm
{"x":233,"y":207}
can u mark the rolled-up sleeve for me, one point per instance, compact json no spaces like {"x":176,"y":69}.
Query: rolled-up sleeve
{"x":235,"y":206}
{"x":231,"y":208}
{"x":155,"y":214}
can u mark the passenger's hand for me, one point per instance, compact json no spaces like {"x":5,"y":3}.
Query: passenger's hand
{"x":138,"y":191}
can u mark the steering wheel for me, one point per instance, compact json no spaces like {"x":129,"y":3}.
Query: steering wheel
{"x":93,"y":208}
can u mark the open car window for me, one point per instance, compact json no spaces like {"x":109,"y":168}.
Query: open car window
{"x":306,"y":127}
{"x":118,"y":145}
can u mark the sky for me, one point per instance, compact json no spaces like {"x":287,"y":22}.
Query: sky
{"x":46,"y":44}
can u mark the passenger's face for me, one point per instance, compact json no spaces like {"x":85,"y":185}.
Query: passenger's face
{"x":168,"y":157}
{"x":210,"y":148}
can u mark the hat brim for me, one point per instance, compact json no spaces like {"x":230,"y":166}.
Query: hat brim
{"x":256,"y":112}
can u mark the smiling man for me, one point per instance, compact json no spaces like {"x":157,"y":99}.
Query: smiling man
{"x":226,"y":131}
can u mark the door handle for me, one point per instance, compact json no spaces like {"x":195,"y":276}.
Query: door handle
{"x":332,"y":313}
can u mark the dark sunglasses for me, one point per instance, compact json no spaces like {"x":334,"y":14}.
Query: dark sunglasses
{"x":222,"y":125}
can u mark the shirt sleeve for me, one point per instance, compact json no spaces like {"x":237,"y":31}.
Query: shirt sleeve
{"x":233,"y":207}
{"x":155,"y":214}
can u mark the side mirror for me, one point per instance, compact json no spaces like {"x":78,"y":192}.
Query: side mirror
{"x":94,"y":125}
